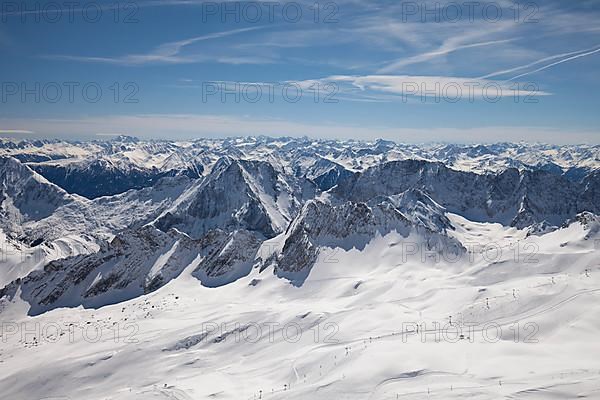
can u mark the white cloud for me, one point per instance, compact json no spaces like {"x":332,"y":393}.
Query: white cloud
{"x":426,"y":88}
{"x":542,"y":60}
{"x":169,"y":53}
{"x":588,"y":53}
{"x":394,"y":88}
{"x":443,"y":50}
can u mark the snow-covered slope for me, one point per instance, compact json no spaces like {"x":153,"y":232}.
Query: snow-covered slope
{"x":529,"y":329}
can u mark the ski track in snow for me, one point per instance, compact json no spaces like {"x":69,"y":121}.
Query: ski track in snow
{"x":318,"y":369}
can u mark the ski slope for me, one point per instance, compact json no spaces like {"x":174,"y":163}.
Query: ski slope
{"x":349,"y":332}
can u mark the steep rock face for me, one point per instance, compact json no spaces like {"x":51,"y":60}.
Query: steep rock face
{"x":230,"y":256}
{"x":134,"y":263}
{"x":247,"y":195}
{"x":420,"y":210}
{"x":577,"y":174}
{"x":119,"y":271}
{"x":25,"y":195}
{"x":395,"y":177}
{"x":183,"y":164}
{"x":589,"y":221}
{"x":326,"y":174}
{"x":591,"y":191}
{"x":100,"y":177}
{"x":546,"y":197}
{"x":353,"y":225}
{"x":511,"y":197}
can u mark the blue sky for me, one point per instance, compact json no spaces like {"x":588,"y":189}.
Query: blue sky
{"x":406,"y":71}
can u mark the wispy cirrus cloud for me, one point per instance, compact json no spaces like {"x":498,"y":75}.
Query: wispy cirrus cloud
{"x":382,"y":88}
{"x":534,"y":63}
{"x":409,"y":87}
{"x":169,"y":53}
{"x":428,"y":44}
{"x":564,"y":60}
{"x":443,"y":50}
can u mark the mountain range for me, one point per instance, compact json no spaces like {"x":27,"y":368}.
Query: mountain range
{"x":103,"y":222}
{"x":251,"y":268}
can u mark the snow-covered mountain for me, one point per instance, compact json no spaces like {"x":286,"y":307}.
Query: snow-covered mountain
{"x":26,"y":195}
{"x":237,"y":194}
{"x":186,"y":201}
{"x":321,"y":226}
{"x":86,"y":168}
{"x":511,"y":197}
{"x":365,"y":236}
